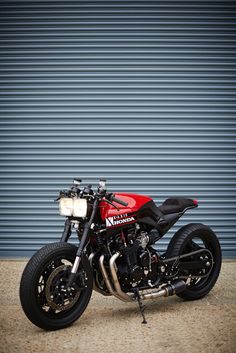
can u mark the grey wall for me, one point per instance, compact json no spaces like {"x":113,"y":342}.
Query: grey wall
{"x":141,"y":92}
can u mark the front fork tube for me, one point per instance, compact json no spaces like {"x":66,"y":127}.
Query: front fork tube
{"x":67,"y":231}
{"x":82,"y":245}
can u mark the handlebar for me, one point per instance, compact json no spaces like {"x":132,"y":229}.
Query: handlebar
{"x":123,"y":203}
{"x":74,"y":191}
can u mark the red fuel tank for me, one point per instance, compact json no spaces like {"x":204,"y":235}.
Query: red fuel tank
{"x":134,"y":201}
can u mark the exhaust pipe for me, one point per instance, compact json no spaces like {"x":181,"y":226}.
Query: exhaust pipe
{"x":118,"y":294}
{"x":125,"y":297}
{"x":174,"y":287}
{"x":95,"y":287}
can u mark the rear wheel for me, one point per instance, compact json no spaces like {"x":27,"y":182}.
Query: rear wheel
{"x":45,"y":298}
{"x":195,"y":237}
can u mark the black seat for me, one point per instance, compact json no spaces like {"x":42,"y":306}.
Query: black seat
{"x":176,"y":205}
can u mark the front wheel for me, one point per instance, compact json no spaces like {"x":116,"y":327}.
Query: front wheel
{"x":45,"y":298}
{"x":193,"y":237}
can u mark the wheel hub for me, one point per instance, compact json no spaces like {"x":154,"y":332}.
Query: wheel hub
{"x":58,"y":296}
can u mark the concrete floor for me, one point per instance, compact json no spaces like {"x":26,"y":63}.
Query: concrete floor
{"x":108,"y":325}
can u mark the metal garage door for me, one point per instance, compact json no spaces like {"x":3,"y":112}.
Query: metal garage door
{"x":141,"y":92}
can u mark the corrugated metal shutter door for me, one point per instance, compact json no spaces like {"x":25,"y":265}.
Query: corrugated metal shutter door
{"x":141,"y":92}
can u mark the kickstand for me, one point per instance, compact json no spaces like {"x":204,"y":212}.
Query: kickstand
{"x":141,"y":306}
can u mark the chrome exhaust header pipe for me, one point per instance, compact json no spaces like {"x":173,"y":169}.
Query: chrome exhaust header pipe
{"x":95,"y":287}
{"x":114,"y":292}
{"x":125,"y":297}
{"x":105,"y":275}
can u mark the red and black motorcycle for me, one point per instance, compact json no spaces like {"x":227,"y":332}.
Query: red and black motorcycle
{"x":115,"y":256}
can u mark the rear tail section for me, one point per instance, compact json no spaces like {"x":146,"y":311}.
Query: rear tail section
{"x":172,"y":209}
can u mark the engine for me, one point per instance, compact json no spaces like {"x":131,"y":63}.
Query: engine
{"x":138,"y":264}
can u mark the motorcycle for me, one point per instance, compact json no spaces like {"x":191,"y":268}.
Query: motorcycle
{"x":116,"y":256}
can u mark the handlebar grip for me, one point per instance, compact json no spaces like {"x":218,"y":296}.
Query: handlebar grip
{"x":123,"y":203}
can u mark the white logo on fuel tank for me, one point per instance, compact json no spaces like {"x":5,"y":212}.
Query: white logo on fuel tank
{"x":111,"y":221}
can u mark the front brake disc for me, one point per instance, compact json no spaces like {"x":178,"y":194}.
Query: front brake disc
{"x":58,"y":296}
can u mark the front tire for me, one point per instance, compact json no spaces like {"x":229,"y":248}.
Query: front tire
{"x":44,"y":299}
{"x":182,"y":242}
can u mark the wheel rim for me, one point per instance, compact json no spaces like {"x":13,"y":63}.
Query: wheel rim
{"x":52,"y":295}
{"x":197,"y":243}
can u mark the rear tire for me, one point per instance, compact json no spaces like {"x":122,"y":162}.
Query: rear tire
{"x":177,"y":246}
{"x":31,"y":297}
